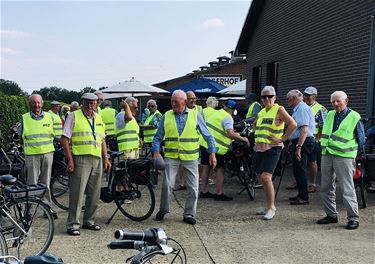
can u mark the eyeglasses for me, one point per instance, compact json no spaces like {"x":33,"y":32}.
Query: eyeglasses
{"x":267,"y":96}
{"x":151,"y":106}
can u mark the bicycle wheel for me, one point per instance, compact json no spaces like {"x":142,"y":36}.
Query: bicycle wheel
{"x":36,"y":220}
{"x":249,"y":178}
{"x":135,"y":200}
{"x":59,"y":185}
{"x":3,"y":245}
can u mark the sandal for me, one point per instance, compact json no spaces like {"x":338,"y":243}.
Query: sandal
{"x":94,"y":227}
{"x":180,"y":187}
{"x":312,"y":189}
{"x":73,"y":232}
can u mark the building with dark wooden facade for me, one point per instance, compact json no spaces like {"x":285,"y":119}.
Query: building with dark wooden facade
{"x":292,"y":44}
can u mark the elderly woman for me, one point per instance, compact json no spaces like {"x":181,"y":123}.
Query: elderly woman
{"x":269,"y":138}
{"x":152,"y":121}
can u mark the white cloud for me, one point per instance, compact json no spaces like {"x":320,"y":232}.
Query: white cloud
{"x":9,"y":51}
{"x":213,"y":23}
{"x":14,"y":34}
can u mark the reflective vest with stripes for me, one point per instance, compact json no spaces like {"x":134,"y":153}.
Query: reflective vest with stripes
{"x":207,"y":112}
{"x":316,"y":108}
{"x":148,"y":134}
{"x":342,"y":142}
{"x":266,"y":127}
{"x":57,"y":124}
{"x":109,"y":118}
{"x":128,"y":137}
{"x":83,"y":140}
{"x":186,"y":145}
{"x":251,"y":109}
{"x":37,"y":135}
{"x":214,"y":124}
{"x":198,"y":108}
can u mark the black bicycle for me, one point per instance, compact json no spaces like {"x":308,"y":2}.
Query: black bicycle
{"x":152,"y":244}
{"x":130,"y":185}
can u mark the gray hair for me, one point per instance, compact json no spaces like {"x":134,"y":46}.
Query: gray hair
{"x":108,"y":103}
{"x":296,"y":94}
{"x":152,"y":101}
{"x":212,"y":102}
{"x":74,"y":104}
{"x":268,"y":88}
{"x":180,"y":93}
{"x":130,"y":100}
{"x":339,"y":94}
{"x":35,"y":95}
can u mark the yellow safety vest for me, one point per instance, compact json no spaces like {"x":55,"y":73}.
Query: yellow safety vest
{"x":186,"y":145}
{"x":37,"y":135}
{"x":85,"y":140}
{"x":57,"y":124}
{"x":128,"y":137}
{"x":207,"y":112}
{"x":342,"y":142}
{"x":198,"y":108}
{"x":316,"y":108}
{"x":214,"y":124}
{"x":148,"y":134}
{"x":266,"y":127}
{"x":251,"y":109}
{"x":109,"y":118}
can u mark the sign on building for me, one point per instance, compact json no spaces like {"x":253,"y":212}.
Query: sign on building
{"x":224,"y":79}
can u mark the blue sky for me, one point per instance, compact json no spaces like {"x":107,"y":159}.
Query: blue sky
{"x":74,"y":44}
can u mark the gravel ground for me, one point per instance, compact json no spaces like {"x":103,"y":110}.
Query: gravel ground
{"x":230,"y":232}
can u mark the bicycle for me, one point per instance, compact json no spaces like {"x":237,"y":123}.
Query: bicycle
{"x":130,"y":186}
{"x":26,"y":222}
{"x":150,"y":244}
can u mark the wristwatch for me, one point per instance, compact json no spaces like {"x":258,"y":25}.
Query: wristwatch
{"x":299,"y":146}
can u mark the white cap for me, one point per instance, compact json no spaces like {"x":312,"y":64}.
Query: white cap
{"x":311,"y":90}
{"x":89,"y":97}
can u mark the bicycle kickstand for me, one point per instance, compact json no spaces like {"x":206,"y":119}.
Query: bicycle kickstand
{"x":113,"y":215}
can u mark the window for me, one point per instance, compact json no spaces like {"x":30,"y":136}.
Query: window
{"x":257,"y":80}
{"x":272,"y":73}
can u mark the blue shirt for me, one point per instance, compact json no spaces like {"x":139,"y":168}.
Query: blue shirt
{"x":304,"y":116}
{"x":359,"y":131}
{"x":181,"y":122}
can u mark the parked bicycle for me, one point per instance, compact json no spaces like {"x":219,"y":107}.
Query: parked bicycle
{"x":152,"y":244}
{"x":130,"y":185}
{"x":26,"y":222}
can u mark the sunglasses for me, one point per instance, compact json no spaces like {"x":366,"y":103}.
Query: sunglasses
{"x":267,"y":96}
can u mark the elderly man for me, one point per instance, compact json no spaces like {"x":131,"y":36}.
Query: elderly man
{"x":254,"y":107}
{"x":343,"y":135}
{"x":152,"y":122}
{"x":302,"y":140}
{"x":86,"y":159}
{"x":74,"y":106}
{"x":320,"y":113}
{"x":220,"y":124}
{"x":99,"y":94}
{"x":192,"y":102}
{"x":128,"y":129}
{"x":109,"y":118}
{"x":37,"y":133}
{"x":65,"y":109}
{"x":57,"y":123}
{"x":178,"y":127}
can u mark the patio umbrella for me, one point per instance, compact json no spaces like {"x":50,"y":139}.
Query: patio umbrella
{"x":122,"y":95}
{"x":237,"y":88}
{"x":200,"y":85}
{"x":133,"y":87}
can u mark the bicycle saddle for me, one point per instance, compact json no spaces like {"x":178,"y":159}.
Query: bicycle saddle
{"x":44,"y":259}
{"x":7,"y":179}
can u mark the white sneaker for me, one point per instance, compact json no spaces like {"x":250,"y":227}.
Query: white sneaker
{"x":261,"y":211}
{"x":269,"y":214}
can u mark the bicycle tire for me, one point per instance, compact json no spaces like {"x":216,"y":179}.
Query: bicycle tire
{"x":3,"y":245}
{"x":135,"y":200}
{"x":248,"y":182}
{"x":59,"y":185}
{"x":36,"y":219}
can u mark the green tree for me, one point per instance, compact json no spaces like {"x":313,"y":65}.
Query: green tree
{"x":11,"y":88}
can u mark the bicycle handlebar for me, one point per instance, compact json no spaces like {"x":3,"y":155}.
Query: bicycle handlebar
{"x":153,"y":235}
{"x":138,"y":245}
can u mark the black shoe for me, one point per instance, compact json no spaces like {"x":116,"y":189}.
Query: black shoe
{"x":299,"y":201}
{"x":206,"y":195}
{"x":352,"y":225}
{"x":159,"y":216}
{"x":327,"y":220}
{"x":293,"y":198}
{"x":189,"y":220}
{"x":222,"y":197}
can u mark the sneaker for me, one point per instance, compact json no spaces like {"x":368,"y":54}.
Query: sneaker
{"x":269,"y":215}
{"x":206,"y":195}
{"x":222,"y":197}
{"x":262,"y":211}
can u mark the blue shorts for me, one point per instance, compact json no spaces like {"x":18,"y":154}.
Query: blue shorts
{"x":313,"y":156}
{"x":266,"y":161}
